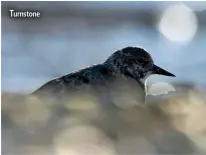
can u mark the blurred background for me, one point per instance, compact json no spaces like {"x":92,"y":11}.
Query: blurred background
{"x":73,"y":35}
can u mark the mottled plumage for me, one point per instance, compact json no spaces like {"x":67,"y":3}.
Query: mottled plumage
{"x":125,"y":68}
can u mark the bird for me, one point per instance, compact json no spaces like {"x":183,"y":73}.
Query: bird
{"x":126,"y":67}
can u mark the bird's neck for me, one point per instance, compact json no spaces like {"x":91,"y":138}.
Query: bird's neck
{"x":115,"y":74}
{"x":113,"y":70}
{"x":118,"y":72}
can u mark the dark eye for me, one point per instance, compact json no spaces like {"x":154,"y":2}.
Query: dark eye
{"x":141,"y":61}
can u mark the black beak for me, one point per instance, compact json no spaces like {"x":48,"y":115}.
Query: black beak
{"x":160,"y":71}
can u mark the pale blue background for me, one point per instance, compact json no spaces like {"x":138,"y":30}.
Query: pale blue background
{"x":72,"y":35}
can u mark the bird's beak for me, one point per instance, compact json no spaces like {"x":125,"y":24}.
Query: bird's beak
{"x":160,"y":71}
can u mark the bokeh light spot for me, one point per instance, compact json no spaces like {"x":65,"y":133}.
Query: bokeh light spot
{"x":178,"y":23}
{"x":160,"y":88}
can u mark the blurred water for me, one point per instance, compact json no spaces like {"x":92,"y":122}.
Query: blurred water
{"x":34,"y":51}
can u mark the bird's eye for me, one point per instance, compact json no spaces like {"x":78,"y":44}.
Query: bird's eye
{"x":141,"y":61}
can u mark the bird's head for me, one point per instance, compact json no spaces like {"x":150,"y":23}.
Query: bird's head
{"x":136,"y":63}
